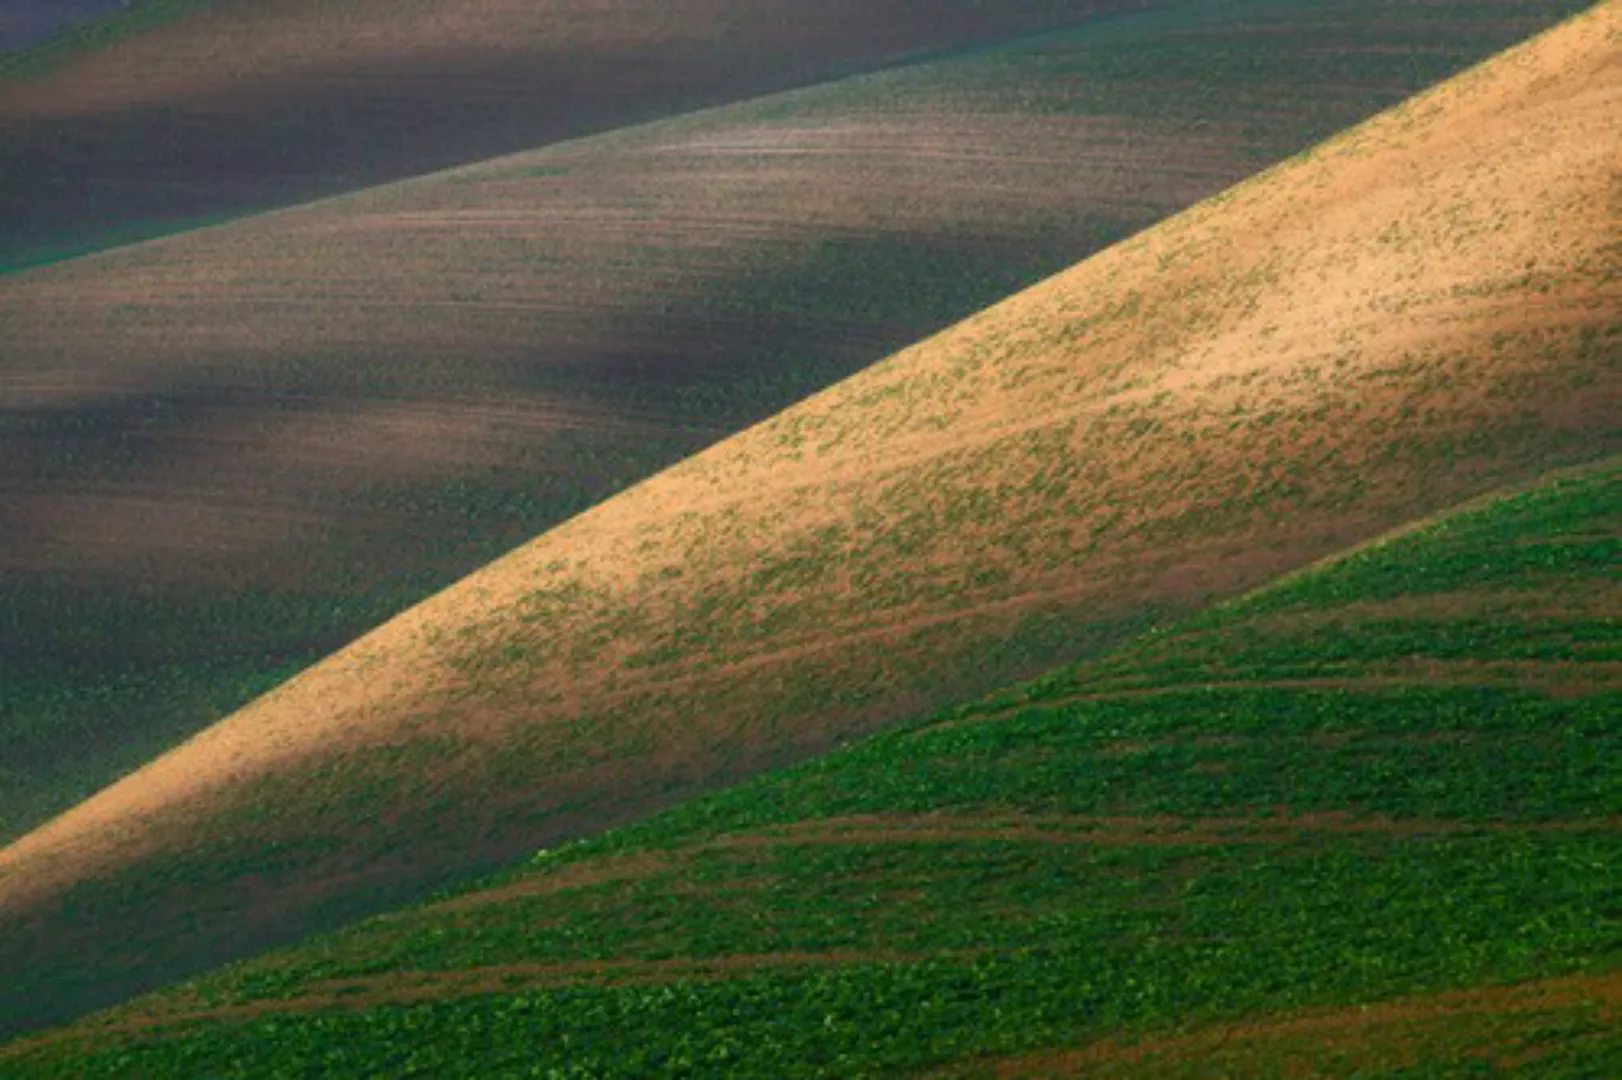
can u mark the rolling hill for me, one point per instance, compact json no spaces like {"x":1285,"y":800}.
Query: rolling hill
{"x":175,"y":111}
{"x":229,"y":453}
{"x":1357,"y":822}
{"x":1421,"y":310}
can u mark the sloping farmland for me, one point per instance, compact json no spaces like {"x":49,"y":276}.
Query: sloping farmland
{"x":1418,"y":311}
{"x":228,"y":453}
{"x":1355,"y":822}
{"x":173,"y":112}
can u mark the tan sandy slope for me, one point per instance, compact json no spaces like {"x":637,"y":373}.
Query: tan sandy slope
{"x":1423,"y":309}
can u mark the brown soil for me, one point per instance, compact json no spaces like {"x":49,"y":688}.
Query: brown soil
{"x":1284,"y":827}
{"x":407,"y":987}
{"x":1386,"y":1025}
{"x":1068,"y":829}
{"x":578,"y":876}
{"x":1555,"y":678}
{"x":574,"y":283}
{"x":246,"y":105}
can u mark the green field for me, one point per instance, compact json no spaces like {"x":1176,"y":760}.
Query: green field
{"x":1380,"y":778}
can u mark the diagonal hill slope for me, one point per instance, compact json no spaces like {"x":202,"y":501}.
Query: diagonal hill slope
{"x":227,"y":454}
{"x":1377,"y":781}
{"x":1418,"y":311}
{"x":178,"y":110}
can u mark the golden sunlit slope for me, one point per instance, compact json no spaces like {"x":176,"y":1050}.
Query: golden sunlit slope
{"x":1422,"y":309}
{"x":174,"y":111}
{"x":225,"y":454}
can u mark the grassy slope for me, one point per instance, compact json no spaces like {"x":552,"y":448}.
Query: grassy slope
{"x":1421,"y":310}
{"x":230,"y":453}
{"x":1382,"y":778}
{"x":179,"y":110}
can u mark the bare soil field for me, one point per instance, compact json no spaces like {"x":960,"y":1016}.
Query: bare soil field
{"x":182,"y":110}
{"x":1388,"y":1036}
{"x":230,"y":452}
{"x":1419,"y":311}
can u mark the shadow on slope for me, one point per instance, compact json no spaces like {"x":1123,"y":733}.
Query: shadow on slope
{"x":25,"y":22}
{"x":177,"y":110}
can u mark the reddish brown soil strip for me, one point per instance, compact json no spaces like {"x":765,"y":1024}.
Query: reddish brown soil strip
{"x":1555,"y":679}
{"x":945,"y":828}
{"x":1326,"y":739}
{"x":383,"y":988}
{"x":575,"y":876}
{"x":1346,"y":1028}
{"x":1525,"y":599}
{"x":405,"y":988}
{"x":1283,"y":829}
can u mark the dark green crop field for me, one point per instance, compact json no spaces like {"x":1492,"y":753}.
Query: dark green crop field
{"x":1365,"y":818}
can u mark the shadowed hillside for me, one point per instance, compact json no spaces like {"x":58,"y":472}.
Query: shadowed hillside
{"x":1421,"y":310}
{"x":229,"y":453}
{"x":24,"y":22}
{"x":175,"y":111}
{"x":1378,"y":781}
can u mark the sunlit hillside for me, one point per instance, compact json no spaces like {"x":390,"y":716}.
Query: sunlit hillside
{"x":226,"y":454}
{"x":1419,"y":311}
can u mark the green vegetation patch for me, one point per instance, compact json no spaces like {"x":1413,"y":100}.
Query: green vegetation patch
{"x":29,"y":258}
{"x":1525,"y":577}
{"x":1055,"y":866}
{"x":74,"y":719}
{"x":1246,"y":937}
